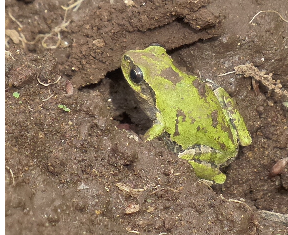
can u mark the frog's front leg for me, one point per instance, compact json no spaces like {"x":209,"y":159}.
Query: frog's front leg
{"x":235,"y":118}
{"x":157,"y":129}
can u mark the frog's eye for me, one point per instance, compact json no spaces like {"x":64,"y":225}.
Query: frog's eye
{"x":136,"y":74}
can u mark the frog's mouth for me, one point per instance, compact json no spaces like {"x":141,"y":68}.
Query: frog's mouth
{"x":147,"y":102}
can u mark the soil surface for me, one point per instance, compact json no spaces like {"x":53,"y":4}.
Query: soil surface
{"x":76,"y":162}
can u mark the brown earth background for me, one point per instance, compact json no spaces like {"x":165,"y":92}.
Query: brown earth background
{"x":88,"y":171}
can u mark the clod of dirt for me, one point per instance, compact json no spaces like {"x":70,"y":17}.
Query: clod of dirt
{"x":125,"y":27}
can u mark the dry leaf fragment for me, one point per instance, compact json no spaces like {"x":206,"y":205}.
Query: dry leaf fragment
{"x":129,"y":3}
{"x":150,"y":209}
{"x":13,"y":34}
{"x":132,"y":208}
{"x":129,"y":190}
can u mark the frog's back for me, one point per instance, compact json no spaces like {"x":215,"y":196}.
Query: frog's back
{"x":193,"y":115}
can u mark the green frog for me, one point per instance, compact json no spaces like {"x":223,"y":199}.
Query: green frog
{"x":203,"y":122}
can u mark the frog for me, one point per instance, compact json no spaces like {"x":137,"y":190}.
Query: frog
{"x":200,"y":119}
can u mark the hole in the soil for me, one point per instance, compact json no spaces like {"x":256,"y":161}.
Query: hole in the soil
{"x":123,"y":118}
{"x":26,"y":2}
{"x":129,"y":167}
{"x":126,"y":106}
{"x":282,"y":190}
{"x":189,"y":45}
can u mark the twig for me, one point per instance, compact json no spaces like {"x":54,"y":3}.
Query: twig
{"x":77,"y":4}
{"x":12,"y":17}
{"x":224,"y":74}
{"x":250,"y":22}
{"x":8,"y":53}
{"x":159,"y":189}
{"x":51,"y":47}
{"x":237,"y":201}
{"x":133,"y":231}
{"x":57,"y":30}
{"x":23,"y":39}
{"x":48,"y":97}
{"x":12,"y":175}
{"x":48,"y":84}
{"x":249,"y":70}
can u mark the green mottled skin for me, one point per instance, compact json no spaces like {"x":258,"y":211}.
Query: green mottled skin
{"x":189,"y":110}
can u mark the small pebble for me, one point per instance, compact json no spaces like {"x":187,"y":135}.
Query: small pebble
{"x":279,"y":167}
{"x":69,"y":88}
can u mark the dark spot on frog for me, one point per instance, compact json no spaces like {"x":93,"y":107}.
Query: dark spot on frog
{"x":192,"y":120}
{"x":201,"y":128}
{"x":180,"y":113}
{"x":171,"y":75}
{"x":223,"y":147}
{"x":201,"y":87}
{"x":226,"y":129}
{"x":214,"y":116}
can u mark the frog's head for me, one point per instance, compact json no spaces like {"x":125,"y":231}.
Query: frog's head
{"x":143,"y":70}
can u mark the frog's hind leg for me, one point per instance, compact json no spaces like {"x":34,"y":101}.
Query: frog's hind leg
{"x":206,"y":162}
{"x":235,"y":118}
